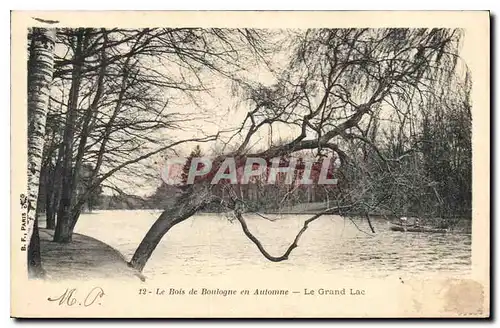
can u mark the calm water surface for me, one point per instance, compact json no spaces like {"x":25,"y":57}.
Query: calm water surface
{"x":209,"y":244}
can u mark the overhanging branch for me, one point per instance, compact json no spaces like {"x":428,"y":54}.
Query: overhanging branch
{"x":294,"y":244}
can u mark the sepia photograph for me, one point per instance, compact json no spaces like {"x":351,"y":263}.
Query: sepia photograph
{"x":225,"y":168}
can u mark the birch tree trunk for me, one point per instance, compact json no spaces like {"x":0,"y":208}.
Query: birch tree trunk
{"x":40,"y":70}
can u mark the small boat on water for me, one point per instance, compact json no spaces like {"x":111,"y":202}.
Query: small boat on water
{"x":417,"y":229}
{"x":415,"y":225}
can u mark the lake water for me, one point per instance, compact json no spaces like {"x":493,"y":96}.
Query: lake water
{"x":209,"y":244}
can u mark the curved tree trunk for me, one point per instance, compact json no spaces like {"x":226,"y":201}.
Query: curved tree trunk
{"x":163,"y":224}
{"x":40,"y":70}
{"x":153,"y":237}
{"x":182,"y":210}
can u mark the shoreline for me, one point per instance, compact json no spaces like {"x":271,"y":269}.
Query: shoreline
{"x":84,"y":258}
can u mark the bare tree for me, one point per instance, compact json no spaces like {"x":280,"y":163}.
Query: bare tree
{"x":336,"y":81}
{"x":359,"y":96}
{"x":114,"y":98}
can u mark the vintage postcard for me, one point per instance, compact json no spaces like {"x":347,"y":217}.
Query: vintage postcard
{"x":250,"y":164}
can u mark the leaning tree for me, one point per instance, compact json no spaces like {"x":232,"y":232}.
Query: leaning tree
{"x":339,"y":87}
